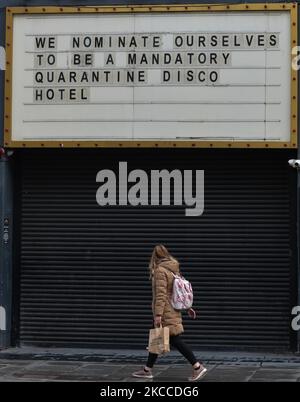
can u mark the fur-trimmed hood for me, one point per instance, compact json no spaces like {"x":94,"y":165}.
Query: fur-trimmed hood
{"x":170,"y":264}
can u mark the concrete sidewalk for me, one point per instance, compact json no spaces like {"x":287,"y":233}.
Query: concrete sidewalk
{"x":34,"y":364}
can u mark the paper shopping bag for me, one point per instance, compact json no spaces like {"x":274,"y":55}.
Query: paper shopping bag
{"x":159,"y":340}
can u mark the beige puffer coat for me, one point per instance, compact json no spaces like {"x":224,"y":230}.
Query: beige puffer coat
{"x":162,"y":284}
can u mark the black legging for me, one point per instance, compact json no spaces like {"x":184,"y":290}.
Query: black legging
{"x":183,"y":348}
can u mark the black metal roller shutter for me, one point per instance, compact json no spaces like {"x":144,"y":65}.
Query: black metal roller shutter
{"x":83,"y":268}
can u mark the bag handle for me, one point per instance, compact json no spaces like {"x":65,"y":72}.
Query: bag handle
{"x":192,"y":313}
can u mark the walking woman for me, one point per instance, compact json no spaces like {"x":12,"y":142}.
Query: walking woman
{"x":162,"y":266}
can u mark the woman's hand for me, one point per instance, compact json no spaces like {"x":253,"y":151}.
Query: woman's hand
{"x":157,"y":320}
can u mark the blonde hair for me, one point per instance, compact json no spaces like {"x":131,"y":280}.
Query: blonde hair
{"x":159,"y":253}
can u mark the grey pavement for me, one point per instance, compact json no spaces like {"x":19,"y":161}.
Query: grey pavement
{"x":68,"y":365}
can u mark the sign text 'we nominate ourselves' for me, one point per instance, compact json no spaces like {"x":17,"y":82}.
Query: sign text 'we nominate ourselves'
{"x":145,"y":62}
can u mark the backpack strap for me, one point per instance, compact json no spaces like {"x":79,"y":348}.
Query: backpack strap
{"x":179,"y":273}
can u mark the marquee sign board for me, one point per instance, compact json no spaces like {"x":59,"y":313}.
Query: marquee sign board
{"x":207,"y":76}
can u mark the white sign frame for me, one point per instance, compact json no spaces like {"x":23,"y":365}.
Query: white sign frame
{"x":15,"y":120}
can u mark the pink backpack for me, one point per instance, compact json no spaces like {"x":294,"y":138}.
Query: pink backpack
{"x":182,"y":294}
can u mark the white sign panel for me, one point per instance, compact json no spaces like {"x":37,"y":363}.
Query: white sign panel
{"x":213,"y":76}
